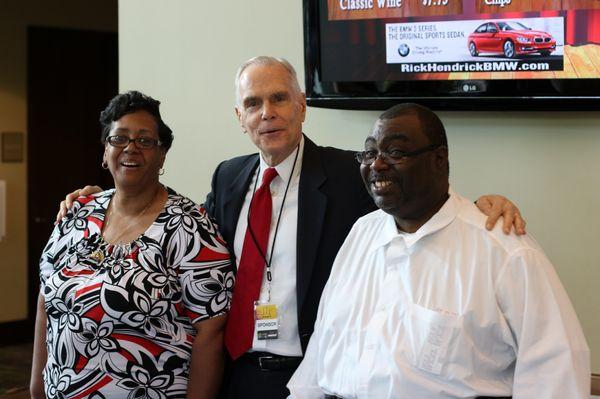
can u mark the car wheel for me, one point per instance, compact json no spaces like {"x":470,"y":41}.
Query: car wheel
{"x":509,"y":49}
{"x":473,"y":49}
{"x":545,"y":53}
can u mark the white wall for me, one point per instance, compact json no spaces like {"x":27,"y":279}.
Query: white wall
{"x":186,"y":53}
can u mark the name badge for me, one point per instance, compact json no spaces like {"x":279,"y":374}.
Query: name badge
{"x":266,"y":322}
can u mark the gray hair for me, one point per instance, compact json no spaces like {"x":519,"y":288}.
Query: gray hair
{"x":265,"y":60}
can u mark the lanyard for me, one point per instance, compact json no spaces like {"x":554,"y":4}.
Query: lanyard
{"x":268,"y":261}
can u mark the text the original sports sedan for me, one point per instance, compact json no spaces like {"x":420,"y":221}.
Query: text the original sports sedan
{"x":509,"y":38}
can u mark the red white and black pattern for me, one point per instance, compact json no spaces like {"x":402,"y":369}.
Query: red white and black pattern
{"x":121,"y":327}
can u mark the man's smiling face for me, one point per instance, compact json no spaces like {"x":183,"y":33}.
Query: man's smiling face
{"x":408,"y":188}
{"x":271,"y":110}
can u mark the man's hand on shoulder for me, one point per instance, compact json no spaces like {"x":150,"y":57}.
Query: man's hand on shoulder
{"x":67,"y":203}
{"x":494,"y":206}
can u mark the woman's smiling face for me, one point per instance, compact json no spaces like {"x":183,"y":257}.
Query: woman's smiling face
{"x":133,"y":166}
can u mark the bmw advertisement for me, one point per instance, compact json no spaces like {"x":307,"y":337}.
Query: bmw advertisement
{"x":379,"y":40}
{"x":488,"y":45}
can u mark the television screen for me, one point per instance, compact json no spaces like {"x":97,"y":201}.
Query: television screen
{"x":453,"y":54}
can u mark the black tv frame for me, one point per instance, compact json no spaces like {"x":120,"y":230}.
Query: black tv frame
{"x":498,"y":95}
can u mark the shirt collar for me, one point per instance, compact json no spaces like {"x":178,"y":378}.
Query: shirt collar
{"x":284,"y":168}
{"x":442,"y":218}
{"x":387,"y":233}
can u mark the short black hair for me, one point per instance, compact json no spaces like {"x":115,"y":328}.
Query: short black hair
{"x":431,"y":123}
{"x":129,"y":102}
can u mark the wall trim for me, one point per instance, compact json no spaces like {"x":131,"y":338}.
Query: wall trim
{"x":16,"y":332}
{"x":595,"y":384}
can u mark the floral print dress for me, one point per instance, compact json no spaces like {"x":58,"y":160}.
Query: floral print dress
{"x":119,"y":317}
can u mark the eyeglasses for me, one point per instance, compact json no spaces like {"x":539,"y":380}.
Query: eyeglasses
{"x":392,"y":157}
{"x":144,"y":143}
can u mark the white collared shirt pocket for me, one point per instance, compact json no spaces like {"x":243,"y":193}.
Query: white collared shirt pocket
{"x":428,"y":334}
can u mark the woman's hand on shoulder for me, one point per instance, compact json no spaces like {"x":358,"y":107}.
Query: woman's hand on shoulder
{"x":67,"y":203}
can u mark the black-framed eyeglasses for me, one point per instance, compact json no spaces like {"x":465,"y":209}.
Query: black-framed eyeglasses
{"x":392,"y":157}
{"x":144,"y":143}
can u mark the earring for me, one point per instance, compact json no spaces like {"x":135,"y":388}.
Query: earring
{"x":104,"y":165}
{"x":161,"y":171}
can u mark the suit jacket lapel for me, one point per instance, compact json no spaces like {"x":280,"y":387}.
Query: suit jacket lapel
{"x":234,"y":199}
{"x":311,"y":212}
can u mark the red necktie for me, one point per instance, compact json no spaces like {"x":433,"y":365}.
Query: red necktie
{"x":239,"y":330}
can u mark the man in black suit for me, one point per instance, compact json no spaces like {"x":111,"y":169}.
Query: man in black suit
{"x":317,"y":196}
{"x":319,"y":193}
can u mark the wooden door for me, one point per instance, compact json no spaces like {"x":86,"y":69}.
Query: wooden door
{"x":72,"y":74}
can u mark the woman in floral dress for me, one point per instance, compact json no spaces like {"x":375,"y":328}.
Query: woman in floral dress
{"x":135,"y":281}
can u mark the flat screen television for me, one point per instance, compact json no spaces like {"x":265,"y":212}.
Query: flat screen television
{"x":453,"y":54}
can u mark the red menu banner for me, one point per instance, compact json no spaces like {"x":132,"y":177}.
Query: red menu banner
{"x":387,"y":9}
{"x":500,"y":6}
{"x":374,"y":9}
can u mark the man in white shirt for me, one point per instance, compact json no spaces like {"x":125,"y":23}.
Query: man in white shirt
{"x":423,"y":302}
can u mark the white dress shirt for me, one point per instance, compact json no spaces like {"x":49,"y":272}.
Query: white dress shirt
{"x":450,"y":311}
{"x":283,"y":263}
